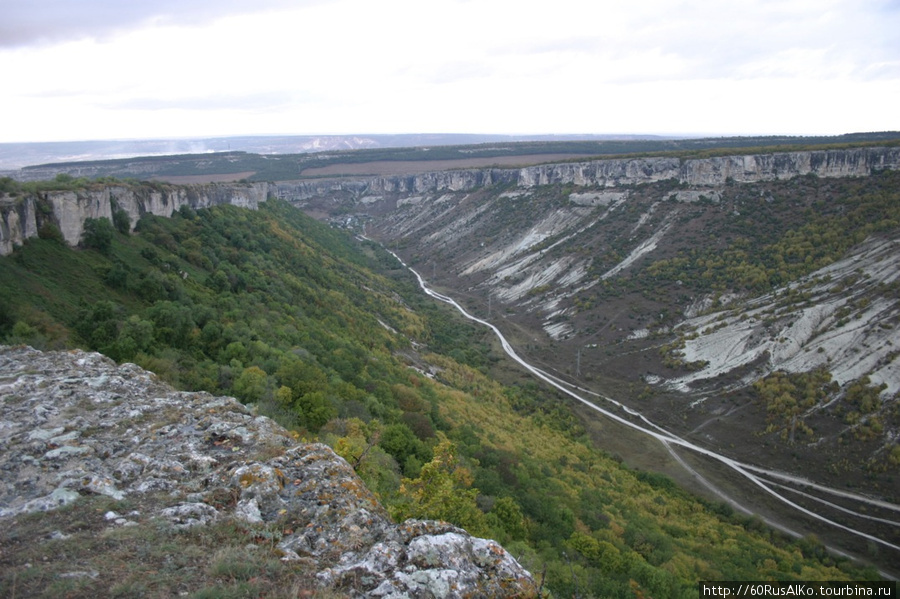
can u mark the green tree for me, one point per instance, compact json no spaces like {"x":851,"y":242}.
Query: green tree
{"x":788,"y":397}
{"x":51,"y":232}
{"x":121,"y":220}
{"x":8,"y":185}
{"x":98,"y":234}
{"x":173,"y":324}
{"x":24,"y":333}
{"x":301,"y":376}
{"x":135,"y":335}
{"x":507,"y":515}
{"x":602,"y":554}
{"x":99,"y":324}
{"x":316,"y":409}
{"x":251,"y":385}
{"x":359,"y":447}
{"x":399,"y":441}
{"x":117,"y":276}
{"x":864,"y":397}
{"x":443,"y":491}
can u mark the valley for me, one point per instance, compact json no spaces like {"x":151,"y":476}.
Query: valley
{"x":726,"y":323}
{"x":802,"y":498}
{"x":683,"y":303}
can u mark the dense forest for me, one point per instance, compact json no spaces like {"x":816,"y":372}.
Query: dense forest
{"x":331,"y":338}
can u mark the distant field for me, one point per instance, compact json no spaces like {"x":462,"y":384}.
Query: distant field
{"x":409,"y":167}
{"x":210,"y":178}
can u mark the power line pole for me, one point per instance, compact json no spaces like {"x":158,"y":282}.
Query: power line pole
{"x":578,"y":364}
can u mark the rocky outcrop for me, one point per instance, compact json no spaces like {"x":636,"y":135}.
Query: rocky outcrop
{"x":714,"y":172}
{"x":18,"y":222}
{"x":361,"y":187}
{"x":21,"y":218}
{"x":855,"y":162}
{"x":816,"y":333}
{"x":75,"y":423}
{"x":603,"y":173}
{"x":456,"y":180}
{"x":616,"y":172}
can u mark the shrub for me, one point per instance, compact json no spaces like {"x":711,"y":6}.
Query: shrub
{"x":51,"y":232}
{"x":98,"y":234}
{"x":122,"y":221}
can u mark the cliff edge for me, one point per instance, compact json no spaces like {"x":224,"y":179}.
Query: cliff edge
{"x":74,"y":424}
{"x":22,"y":217}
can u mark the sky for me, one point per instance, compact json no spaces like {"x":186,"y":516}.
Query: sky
{"x":116,"y":69}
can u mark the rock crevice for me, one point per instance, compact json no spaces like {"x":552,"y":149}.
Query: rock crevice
{"x":75,"y":423}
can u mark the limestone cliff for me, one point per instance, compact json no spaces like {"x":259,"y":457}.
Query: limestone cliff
{"x":616,"y":172}
{"x":75,"y":424}
{"x":22,"y":217}
{"x":714,"y":171}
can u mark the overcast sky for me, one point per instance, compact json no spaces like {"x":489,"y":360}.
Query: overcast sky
{"x":116,"y":69}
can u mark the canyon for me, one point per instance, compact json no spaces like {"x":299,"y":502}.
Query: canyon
{"x":603,"y":272}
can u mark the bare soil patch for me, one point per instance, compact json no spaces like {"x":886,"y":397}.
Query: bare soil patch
{"x":217,"y":178}
{"x":410,"y":167}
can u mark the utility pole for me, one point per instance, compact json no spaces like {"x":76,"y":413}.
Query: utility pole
{"x":578,"y":364}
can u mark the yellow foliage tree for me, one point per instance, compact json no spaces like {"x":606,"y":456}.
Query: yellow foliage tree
{"x":442,"y":491}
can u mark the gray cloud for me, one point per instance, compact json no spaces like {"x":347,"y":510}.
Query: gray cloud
{"x":712,"y":40}
{"x":27,"y":22}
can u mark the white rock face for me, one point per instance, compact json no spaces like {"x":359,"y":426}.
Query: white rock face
{"x":71,"y":210}
{"x":18,"y":222}
{"x":693,"y":195}
{"x":714,"y":171}
{"x":20,"y":219}
{"x":609,"y":173}
{"x":605,"y":173}
{"x":647,"y":246}
{"x":857,"y":162}
{"x":553,"y":224}
{"x":603,"y":198}
{"x":830,"y":329}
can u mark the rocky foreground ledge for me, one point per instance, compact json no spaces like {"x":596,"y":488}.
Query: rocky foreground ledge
{"x":75,"y":424}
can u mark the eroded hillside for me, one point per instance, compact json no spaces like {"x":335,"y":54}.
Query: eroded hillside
{"x":334,"y":340}
{"x":687,"y":299}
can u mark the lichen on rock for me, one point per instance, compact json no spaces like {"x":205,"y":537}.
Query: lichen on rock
{"x":74,"y":423}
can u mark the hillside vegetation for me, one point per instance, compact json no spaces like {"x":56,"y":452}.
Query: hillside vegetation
{"x":640,"y":291}
{"x":330,"y":337}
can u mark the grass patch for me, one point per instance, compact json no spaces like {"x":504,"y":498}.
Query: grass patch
{"x":75,"y":552}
